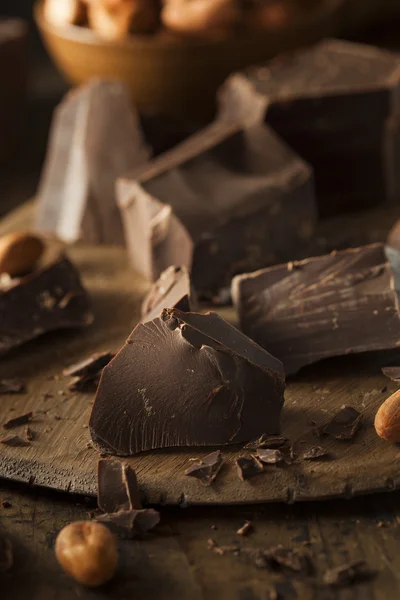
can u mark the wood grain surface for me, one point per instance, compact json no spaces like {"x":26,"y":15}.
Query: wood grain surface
{"x":59,"y":456}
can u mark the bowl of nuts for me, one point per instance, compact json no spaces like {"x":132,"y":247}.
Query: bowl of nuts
{"x":174,"y":54}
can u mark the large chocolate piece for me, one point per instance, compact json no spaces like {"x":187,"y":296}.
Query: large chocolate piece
{"x":245,"y":198}
{"x":95,"y":138}
{"x":337,"y":304}
{"x":186,"y":379}
{"x":155,"y":237}
{"x":171,"y":290}
{"x":45,"y":300}
{"x":331,"y":103}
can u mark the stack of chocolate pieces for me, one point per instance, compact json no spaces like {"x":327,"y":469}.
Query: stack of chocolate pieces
{"x":337,"y":105}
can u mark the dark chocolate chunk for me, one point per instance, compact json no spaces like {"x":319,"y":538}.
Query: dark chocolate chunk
{"x":117,"y":487}
{"x":319,"y":100}
{"x":269,"y":456}
{"x":393,"y":373}
{"x":348,"y":574}
{"x":267,"y":441}
{"x":6,"y":555}
{"x":207,"y":469}
{"x":21,"y":420}
{"x":95,"y":138}
{"x":245,"y":529}
{"x":315,"y":453}
{"x":320,"y":308}
{"x":130,"y":522}
{"x":14,"y":440}
{"x":171,"y":290}
{"x":186,"y":380}
{"x":344,"y":425}
{"x":87,"y":373}
{"x":229,"y":185}
{"x":155,"y":237}
{"x":48,"y":299}
{"x":248,"y":467}
{"x":11,"y":386}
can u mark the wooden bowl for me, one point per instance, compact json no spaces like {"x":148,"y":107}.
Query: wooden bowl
{"x":172,"y":75}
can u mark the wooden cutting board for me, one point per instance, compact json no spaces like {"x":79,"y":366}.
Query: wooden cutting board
{"x":59,"y":457}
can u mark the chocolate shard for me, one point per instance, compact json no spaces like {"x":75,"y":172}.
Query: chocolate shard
{"x":207,"y":469}
{"x":317,"y":308}
{"x":245,"y":529}
{"x":230,"y":181}
{"x":154,"y":235}
{"x":12,"y":386}
{"x":315,"y":453}
{"x":29,"y":434}
{"x":6,"y":555}
{"x":392,"y":372}
{"x":21,"y":420}
{"x":267,"y":441}
{"x":117,"y":487}
{"x":14,"y":440}
{"x":248,"y":467}
{"x":127,"y":523}
{"x":348,"y":574}
{"x":344,"y":425}
{"x":318,"y":100}
{"x":95,"y":138}
{"x":171,"y":290}
{"x":87,"y":373}
{"x":269,"y":456}
{"x":48,"y":299}
{"x":230,"y":389}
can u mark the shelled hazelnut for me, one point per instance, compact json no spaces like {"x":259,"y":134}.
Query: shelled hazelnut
{"x":88,"y":552}
{"x":387,"y":420}
{"x":200,"y":16}
{"x":19,"y":252}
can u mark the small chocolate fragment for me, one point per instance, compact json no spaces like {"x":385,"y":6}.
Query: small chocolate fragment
{"x":117,"y":487}
{"x":48,"y":299}
{"x":14,"y":440}
{"x":348,"y":574}
{"x":315,"y":453}
{"x":393,"y":373}
{"x":127,"y":523}
{"x":319,"y":309}
{"x":248,"y":466}
{"x":95,"y":139}
{"x":186,"y":380}
{"x":245,"y":529}
{"x":11,"y":386}
{"x":6,"y":555}
{"x":87,"y":373}
{"x":21,"y":420}
{"x":269,"y":456}
{"x":267,"y":441}
{"x":171,"y":290}
{"x":344,"y":425}
{"x":228,"y":185}
{"x":319,"y":99}
{"x":6,"y":504}
{"x":29,"y":434}
{"x":295,"y":559}
{"x":221,"y":550}
{"x":206,"y":470}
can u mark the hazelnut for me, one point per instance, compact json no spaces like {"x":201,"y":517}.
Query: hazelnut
{"x":387,"y":420}
{"x":200,"y":16}
{"x":19,"y":253}
{"x":88,"y":552}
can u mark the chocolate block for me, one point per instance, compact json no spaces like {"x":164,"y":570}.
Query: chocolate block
{"x":245,"y":198}
{"x":95,"y":138}
{"x":45,"y":300}
{"x":13,"y":89}
{"x":331,"y":104}
{"x":337,"y":304}
{"x":186,"y":379}
{"x":155,"y":237}
{"x":171,"y":290}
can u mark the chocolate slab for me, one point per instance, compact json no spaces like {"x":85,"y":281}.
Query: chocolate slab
{"x":155,"y":237}
{"x":320,"y":307}
{"x":47,"y":299}
{"x":244,"y":197}
{"x":171,"y":290}
{"x":117,"y":487}
{"x":230,"y":389}
{"x":331,"y":103}
{"x":207,"y":469}
{"x":95,"y":138}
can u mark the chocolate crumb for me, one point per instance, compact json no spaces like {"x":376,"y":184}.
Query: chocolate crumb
{"x":21,"y":420}
{"x":245,"y":529}
{"x":315,"y":453}
{"x":6,"y":504}
{"x":89,"y":445}
{"x":248,"y":466}
{"x":57,"y":418}
{"x":207,"y":469}
{"x":214,"y":527}
{"x":11,"y":386}
{"x":14,"y":440}
{"x":47,"y":395}
{"x":348,"y":574}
